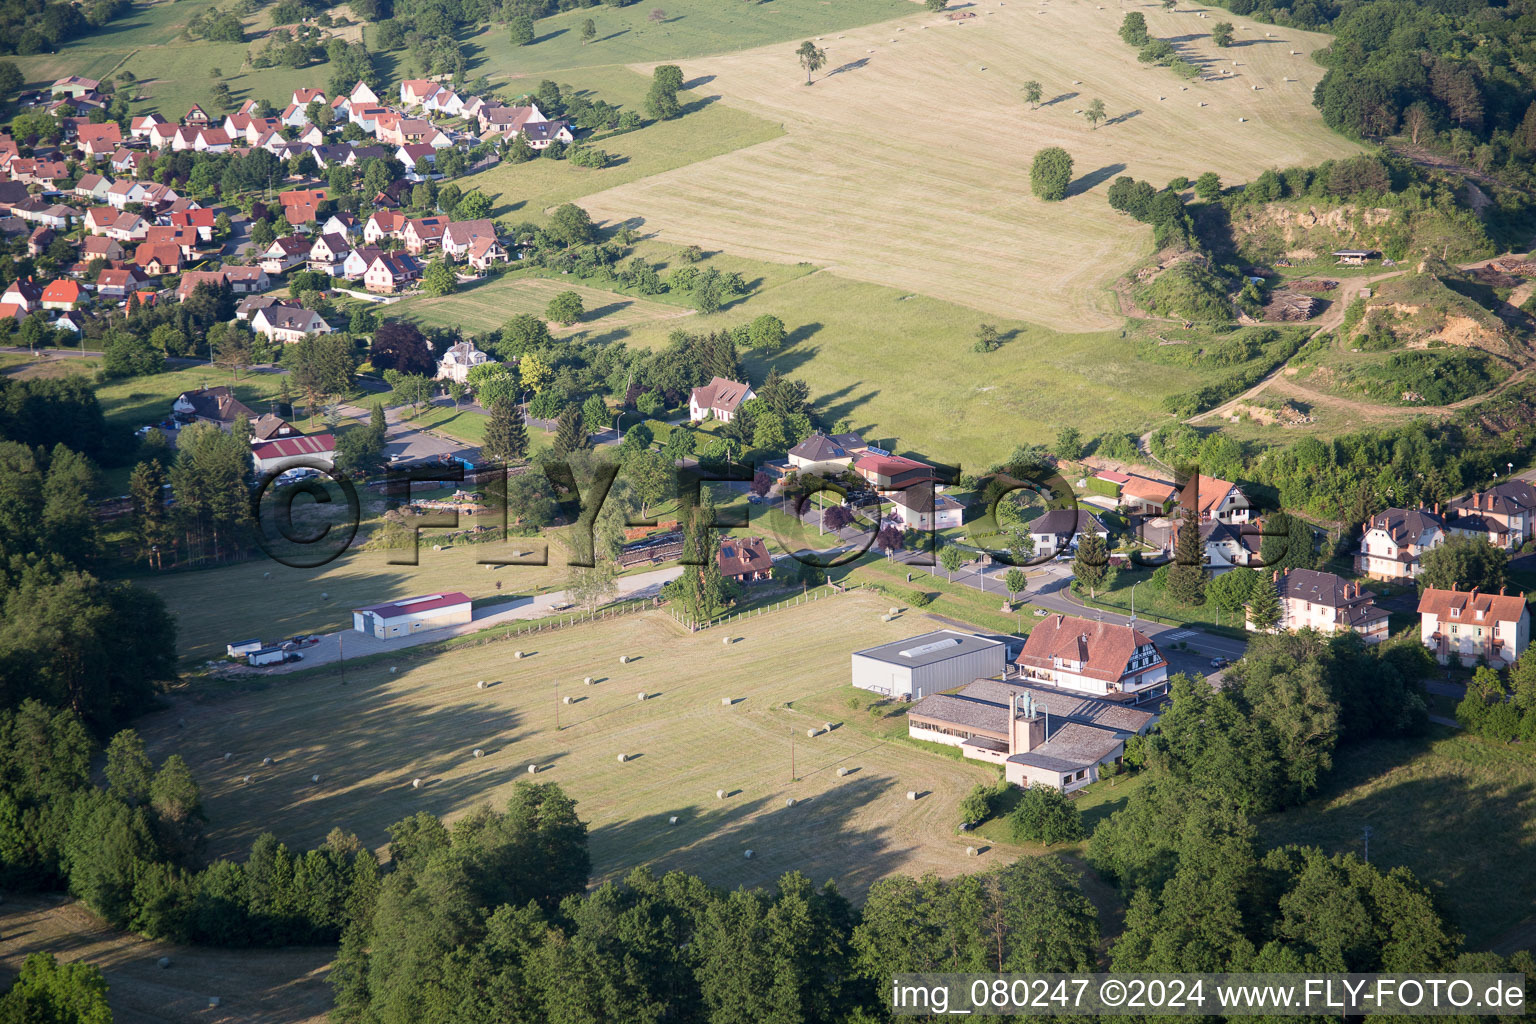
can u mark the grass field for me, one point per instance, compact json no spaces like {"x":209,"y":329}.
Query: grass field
{"x":254,"y":986}
{"x":486,"y":305}
{"x":907,"y":162}
{"x":140,"y":400}
{"x":369,"y":740}
{"x":273,"y":600}
{"x":1426,"y":803}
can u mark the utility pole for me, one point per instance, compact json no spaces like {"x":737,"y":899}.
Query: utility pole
{"x":341,"y":655}
{"x":557,"y":705}
{"x":1367,"y":844}
{"x":791,"y":753}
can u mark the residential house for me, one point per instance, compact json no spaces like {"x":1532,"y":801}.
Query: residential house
{"x":1038,"y":735}
{"x":1090,"y":656}
{"x":128,"y":161}
{"x":1225,"y":545}
{"x":99,"y":219}
{"x":445,"y":103}
{"x":141,"y":126}
{"x":501,"y":120}
{"x":1468,"y":626}
{"x":196,"y":117}
{"x":158,"y":258}
{"x":744,"y":559}
{"x":343,"y":224}
{"x":93,"y":188}
{"x":358,"y":261}
{"x":1503,"y":514}
{"x":293,"y":116}
{"x":24,"y":292}
{"x":459,"y":360}
{"x":53,"y":215}
{"x":217,"y":405}
{"x":270,"y":426}
{"x":719,"y":398}
{"x":414,"y":91}
{"x":391,"y":272}
{"x":252,"y":304}
{"x":921,"y":507}
{"x":100,"y":247}
{"x":458,"y":236}
{"x":1327,"y":603}
{"x":362,"y":94}
{"x":98,"y":141}
{"x":409,"y":154}
{"x":1057,"y":530}
{"x":888,"y":473}
{"x":312,"y":137}
{"x":199,"y":220}
{"x":328,"y":254}
{"x":484,"y":251}
{"x":213,"y":140}
{"x":117,"y":284}
{"x":64,"y":293}
{"x":13,"y":312}
{"x":541,"y":133}
{"x":74,"y":87}
{"x":38,"y":241}
{"x":285,"y":324}
{"x":284,"y":254}
{"x":423,"y":233}
{"x":1148,"y":497}
{"x":383,"y":224}
{"x":1215,"y":499}
{"x":165,"y":135}
{"x":403,"y":131}
{"x":303,"y":97}
{"x":1394,"y":541}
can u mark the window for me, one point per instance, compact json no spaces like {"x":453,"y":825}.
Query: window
{"x":1453,"y":630}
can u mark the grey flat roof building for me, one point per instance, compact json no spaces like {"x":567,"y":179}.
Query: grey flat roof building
{"x":928,"y":663}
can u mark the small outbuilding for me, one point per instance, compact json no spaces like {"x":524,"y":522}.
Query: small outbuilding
{"x":266,"y":656}
{"x":240,"y":647}
{"x":412,"y":615}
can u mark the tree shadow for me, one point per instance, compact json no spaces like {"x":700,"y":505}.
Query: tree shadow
{"x":1060,"y":99}
{"x":850,"y":66}
{"x":611,"y":308}
{"x":696,"y":82}
{"x":1122,"y":118}
{"x":1094,"y":178}
{"x":553,"y":35}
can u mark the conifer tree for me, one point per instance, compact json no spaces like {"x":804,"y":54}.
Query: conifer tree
{"x":1264,"y":605}
{"x":1186,"y":577}
{"x":571,"y":432}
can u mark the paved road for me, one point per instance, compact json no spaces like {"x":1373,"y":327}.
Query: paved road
{"x":1049,"y":588}
{"x":358,"y":645}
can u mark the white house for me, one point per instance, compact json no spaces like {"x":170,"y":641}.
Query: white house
{"x":459,"y":360}
{"x":1088,"y":656}
{"x":922,"y":508}
{"x":1327,"y":603}
{"x":1393,"y":543}
{"x":820,"y":455}
{"x":1216,"y":499}
{"x":288,"y":323}
{"x":1058,"y":529}
{"x":719,"y":398}
{"x":1467,"y":625}
{"x":413,"y":615}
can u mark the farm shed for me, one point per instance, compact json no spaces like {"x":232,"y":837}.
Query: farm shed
{"x":412,"y":615}
{"x":928,"y":663}
{"x":266,"y":656}
{"x":240,"y":647}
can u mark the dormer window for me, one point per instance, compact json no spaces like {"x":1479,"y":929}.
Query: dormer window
{"x":1455,"y":613}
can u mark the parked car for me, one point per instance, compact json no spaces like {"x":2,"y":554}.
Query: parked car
{"x":293,"y":656}
{"x":1219,"y":663}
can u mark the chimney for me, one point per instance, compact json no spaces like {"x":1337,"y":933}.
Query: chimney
{"x":1501,"y":590}
{"x":1437,"y":508}
{"x":1277,"y":576}
{"x":1472,"y":592}
{"x":1454,"y":586}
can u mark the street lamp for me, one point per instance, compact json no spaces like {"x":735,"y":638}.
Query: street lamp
{"x":1133,"y":599}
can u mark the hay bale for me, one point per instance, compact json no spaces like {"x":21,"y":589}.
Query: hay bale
{"x":533,"y":769}
{"x":842,"y":772}
{"x":789,"y":802}
{"x":886,"y":618}
{"x":588,"y":680}
{"x":911,"y":794}
{"x":479,"y":752}
{"x":480,"y":685}
{"x":227,"y":756}
{"x":811,"y":733}
{"x":719,"y":794}
{"x":566,"y":699}
{"x":519,"y":654}
{"x":672,"y":820}
{"x":727,"y":701}
{"x":213,"y":1001}
{"x":640,"y":695}
{"x":415,"y":783}
{"x":1242,"y":120}
{"x":314,"y":778}
{"x":623,"y":758}
{"x":749,"y":855}
{"x":393,"y":670}
{"x":246,"y":779}
{"x":895,"y":611}
{"x":163,"y":963}
{"x":726,"y":641}
{"x":971,"y":851}
{"x":266,"y":761}
{"x":623,"y":659}
{"x":827,"y":726}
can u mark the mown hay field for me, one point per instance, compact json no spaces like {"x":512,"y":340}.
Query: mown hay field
{"x":370,"y":738}
{"x":907,"y":162}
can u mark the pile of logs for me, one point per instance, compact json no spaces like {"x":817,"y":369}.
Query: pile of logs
{"x":1291,"y":307}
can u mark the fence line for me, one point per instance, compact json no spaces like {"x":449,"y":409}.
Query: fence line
{"x":694,"y":626}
